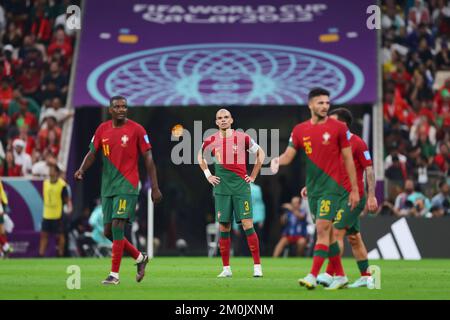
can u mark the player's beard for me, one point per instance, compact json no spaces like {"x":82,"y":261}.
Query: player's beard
{"x":319,"y":116}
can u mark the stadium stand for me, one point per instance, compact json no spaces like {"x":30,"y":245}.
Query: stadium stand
{"x":35,"y":61}
{"x":416,"y":105}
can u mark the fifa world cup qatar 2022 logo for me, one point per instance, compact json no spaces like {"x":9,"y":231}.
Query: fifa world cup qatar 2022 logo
{"x":224,"y":74}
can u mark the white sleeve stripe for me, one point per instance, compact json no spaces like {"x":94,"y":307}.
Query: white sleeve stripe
{"x":254,"y":146}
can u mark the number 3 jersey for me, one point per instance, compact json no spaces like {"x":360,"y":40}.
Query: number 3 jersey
{"x":230,"y":161}
{"x":120,"y":148}
{"x":322,"y":144}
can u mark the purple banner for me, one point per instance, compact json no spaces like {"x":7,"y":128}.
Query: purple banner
{"x":25,"y":204}
{"x":254,"y":52}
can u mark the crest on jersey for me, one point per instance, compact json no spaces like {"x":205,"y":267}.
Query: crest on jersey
{"x":124,"y":140}
{"x":326,"y":138}
{"x":235,"y":148}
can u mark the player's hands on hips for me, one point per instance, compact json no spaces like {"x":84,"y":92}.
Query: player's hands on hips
{"x":304,"y":193}
{"x":372,"y":204}
{"x":79,"y":175}
{"x":249,"y":179}
{"x":275,"y":165}
{"x":353,"y":199}
{"x":214,"y":180}
{"x":156,"y":195}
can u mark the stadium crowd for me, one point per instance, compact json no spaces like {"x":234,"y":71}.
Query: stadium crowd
{"x":416,"y":107}
{"x":35,"y":59}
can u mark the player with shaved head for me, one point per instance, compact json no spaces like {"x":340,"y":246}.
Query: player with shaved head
{"x":231,"y":185}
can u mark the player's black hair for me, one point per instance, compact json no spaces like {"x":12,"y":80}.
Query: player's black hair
{"x":343,"y":115}
{"x":116,"y":98}
{"x":315,"y":92}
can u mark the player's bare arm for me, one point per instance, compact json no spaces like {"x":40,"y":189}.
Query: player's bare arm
{"x":88,"y":161}
{"x":350,"y":167}
{"x":284,"y":159}
{"x":151,"y":171}
{"x":214,"y":180}
{"x":260,"y":156}
{"x":372,"y":203}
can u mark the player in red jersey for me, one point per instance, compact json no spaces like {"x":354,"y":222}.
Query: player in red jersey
{"x":231,"y":184}
{"x":323,"y":141}
{"x":121,"y":141}
{"x":346,"y":221}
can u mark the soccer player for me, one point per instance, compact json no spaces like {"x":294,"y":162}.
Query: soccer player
{"x":4,"y":245}
{"x":232,"y":185}
{"x":347,"y":221}
{"x":120,"y":141}
{"x":56,"y":195}
{"x":324,"y":141}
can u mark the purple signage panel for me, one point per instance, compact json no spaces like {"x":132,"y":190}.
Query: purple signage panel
{"x":26,"y":204}
{"x":253,"y":52}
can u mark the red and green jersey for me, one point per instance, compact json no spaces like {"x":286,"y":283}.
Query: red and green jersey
{"x":230,"y":161}
{"x":322,"y":144}
{"x":362,"y":160}
{"x":120,"y":148}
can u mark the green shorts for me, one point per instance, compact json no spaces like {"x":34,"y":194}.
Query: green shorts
{"x":324,"y":207}
{"x":349,"y":219}
{"x":226,"y":205}
{"x":122,"y":206}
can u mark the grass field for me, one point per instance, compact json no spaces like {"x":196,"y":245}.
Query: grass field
{"x":195,"y":278}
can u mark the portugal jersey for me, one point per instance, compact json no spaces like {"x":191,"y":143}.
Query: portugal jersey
{"x":230,"y":161}
{"x":120,"y":148}
{"x":322,"y":144}
{"x":362,"y":160}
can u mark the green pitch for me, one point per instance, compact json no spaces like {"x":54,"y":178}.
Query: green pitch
{"x":195,"y":278}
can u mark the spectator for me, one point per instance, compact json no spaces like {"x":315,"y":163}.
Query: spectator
{"x":418,"y":14}
{"x":21,"y":158}
{"x":30,"y":142}
{"x":60,"y":43}
{"x":11,"y":169}
{"x":31,"y":79}
{"x":13,"y":63}
{"x":60,"y":20}
{"x":390,"y":158}
{"x":55,"y":75}
{"x":442,"y":159}
{"x":393,"y":16}
{"x":18,"y":98}
{"x":422,"y":127}
{"x":41,"y":26}
{"x":441,"y":201}
{"x":397,"y":171}
{"x":295,"y":227}
{"x":402,"y":204}
{"x":443,"y":58}
{"x":24,"y":116}
{"x":426,"y":148}
{"x":4,"y":124}
{"x":32,"y":50}
{"x":6,"y":93}
{"x":41,"y":167}
{"x":440,"y":16}
{"x":13,"y":36}
{"x":421,"y":205}
{"x":45,"y":139}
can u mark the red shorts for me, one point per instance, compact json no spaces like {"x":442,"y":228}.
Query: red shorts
{"x":293,"y":239}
